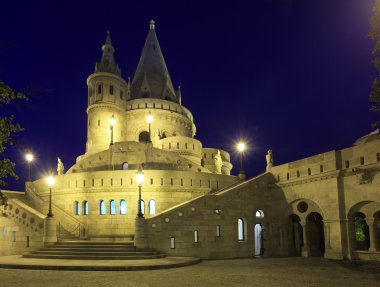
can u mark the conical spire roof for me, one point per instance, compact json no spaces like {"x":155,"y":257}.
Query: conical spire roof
{"x":107,"y":62}
{"x":152,"y":79}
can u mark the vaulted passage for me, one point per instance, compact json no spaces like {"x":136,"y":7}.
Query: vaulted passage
{"x":315,"y":234}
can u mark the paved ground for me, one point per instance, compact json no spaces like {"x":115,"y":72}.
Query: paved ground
{"x":272,"y":272}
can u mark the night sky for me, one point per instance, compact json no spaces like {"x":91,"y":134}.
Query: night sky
{"x":290,"y":75}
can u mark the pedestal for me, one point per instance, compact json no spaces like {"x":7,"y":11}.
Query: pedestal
{"x":141,"y":233}
{"x":50,"y":231}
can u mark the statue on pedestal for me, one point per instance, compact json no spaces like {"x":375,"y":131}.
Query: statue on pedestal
{"x":60,"y":167}
{"x":269,"y":158}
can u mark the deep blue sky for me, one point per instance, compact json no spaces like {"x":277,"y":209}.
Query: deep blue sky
{"x":290,"y":75}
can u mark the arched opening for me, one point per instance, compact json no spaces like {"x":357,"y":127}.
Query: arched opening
{"x":296,"y":234}
{"x":259,"y":246}
{"x":315,"y":234}
{"x":259,"y":214}
{"x":76,"y":208}
{"x":123,"y":207}
{"x":362,"y":241}
{"x":376,"y":216}
{"x":102,"y":207}
{"x":242,"y":229}
{"x":142,"y":204}
{"x":112,"y":207}
{"x":144,"y":137}
{"x":125,"y":166}
{"x":85,"y":207}
{"x":152,"y":206}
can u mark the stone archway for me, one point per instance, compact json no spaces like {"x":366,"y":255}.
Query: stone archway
{"x":144,"y":137}
{"x":315,"y":234}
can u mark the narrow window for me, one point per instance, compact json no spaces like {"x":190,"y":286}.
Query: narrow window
{"x":102,"y":207}
{"x":162,"y":181}
{"x":131,"y":180}
{"x":196,"y":236}
{"x":111,"y":181}
{"x":14,"y":236}
{"x":217,"y":184}
{"x":101,"y":182}
{"x":218,"y":231}
{"x":181,"y":181}
{"x":121,"y":181}
{"x":361,"y":160}
{"x":185,"y":145}
{"x":212,"y":155}
{"x":85,"y":207}
{"x":347,"y":164}
{"x":111,"y":90}
{"x":177,"y":145}
{"x":191,"y":182}
{"x":92,"y":182}
{"x":142,"y":204}
{"x":171,"y":181}
{"x":298,"y":173}
{"x":378,"y":157}
{"x":204,"y":155}
{"x":209,"y":183}
{"x":309,"y":171}
{"x":321,"y":168}
{"x":200,"y":182}
{"x":98,"y":122}
{"x":152,"y":206}
{"x":84,"y":183}
{"x":76,"y":208}
{"x":123,"y":207}
{"x":241,"y":229}
{"x":172,"y":242}
{"x":27,"y":241}
{"x":151,"y":181}
{"x":287,"y":176}
{"x":99,"y":89}
{"x":193,"y":146}
{"x":170,"y":145}
{"x":76,"y":183}
{"x":112,"y":207}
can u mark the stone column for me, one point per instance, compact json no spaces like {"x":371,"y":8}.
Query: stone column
{"x":50,"y":231}
{"x":305,"y":251}
{"x":372,"y":234}
{"x":141,"y":233}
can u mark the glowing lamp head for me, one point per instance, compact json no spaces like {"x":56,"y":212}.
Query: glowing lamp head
{"x":139,"y":176}
{"x":149,"y":118}
{"x":241,"y":147}
{"x":50,"y":180}
{"x":112,"y":121}
{"x":29,"y":157}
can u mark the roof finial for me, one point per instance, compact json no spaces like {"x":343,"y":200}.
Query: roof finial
{"x":151,"y":25}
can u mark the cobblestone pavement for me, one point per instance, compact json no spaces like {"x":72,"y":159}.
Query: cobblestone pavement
{"x":305,"y":272}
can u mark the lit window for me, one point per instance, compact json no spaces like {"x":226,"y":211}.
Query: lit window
{"x":196,"y":236}
{"x":172,"y":242}
{"x":123,"y":207}
{"x":142,"y":204}
{"x":102,"y":207}
{"x":259,"y":214}
{"x":85,"y":207}
{"x":112,"y":207}
{"x":152,"y":206}
{"x":241,"y":229}
{"x":218,"y":234}
{"x":76,"y":208}
{"x":125,"y":166}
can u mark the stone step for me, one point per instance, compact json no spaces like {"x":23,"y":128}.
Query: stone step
{"x":93,"y":243}
{"x":94,"y":257}
{"x":99,"y":253}
{"x":90,"y":249}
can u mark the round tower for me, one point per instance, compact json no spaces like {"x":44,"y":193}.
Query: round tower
{"x":107,"y":96}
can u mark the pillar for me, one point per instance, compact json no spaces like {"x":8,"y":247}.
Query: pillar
{"x":305,"y":251}
{"x":372,"y":234}
{"x":50,"y":231}
{"x":141,"y":233}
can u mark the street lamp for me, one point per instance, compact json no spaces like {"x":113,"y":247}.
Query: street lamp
{"x":149,"y":119}
{"x":50,"y":180}
{"x":139,"y":180}
{"x":241,"y":147}
{"x":29,"y":158}
{"x":112,"y":122}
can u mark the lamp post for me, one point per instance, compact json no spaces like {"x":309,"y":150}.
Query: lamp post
{"x":50,"y":180}
{"x":241,"y":147}
{"x":112,"y":122}
{"x":29,"y":158}
{"x":139,"y":180}
{"x":149,"y":119}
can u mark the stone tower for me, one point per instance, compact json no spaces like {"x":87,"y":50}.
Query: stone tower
{"x":107,"y":96}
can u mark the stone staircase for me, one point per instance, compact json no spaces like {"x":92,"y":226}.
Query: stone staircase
{"x":90,"y":250}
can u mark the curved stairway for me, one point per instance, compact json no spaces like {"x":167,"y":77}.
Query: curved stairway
{"x":90,"y":250}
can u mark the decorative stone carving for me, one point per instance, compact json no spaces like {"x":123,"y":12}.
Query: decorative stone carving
{"x":60,"y":167}
{"x":362,"y":176}
{"x":269,"y":159}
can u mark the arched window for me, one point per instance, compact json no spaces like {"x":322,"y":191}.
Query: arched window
{"x":123,"y":207}
{"x":85,"y":207}
{"x":259,"y":214}
{"x":241,"y":229}
{"x":112,"y":207}
{"x":102,"y":207}
{"x":76,"y":208}
{"x":152,"y":206}
{"x":142,"y":204}
{"x":125,"y":166}
{"x":144,"y":137}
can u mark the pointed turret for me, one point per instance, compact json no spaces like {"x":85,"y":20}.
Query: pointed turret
{"x":107,"y":63}
{"x":152,"y":79}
